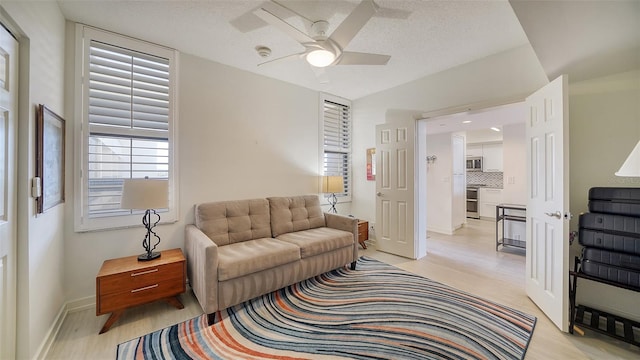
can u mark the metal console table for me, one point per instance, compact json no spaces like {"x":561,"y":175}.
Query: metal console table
{"x":509,"y":212}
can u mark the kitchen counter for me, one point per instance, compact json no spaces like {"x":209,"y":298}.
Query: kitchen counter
{"x":484,"y":186}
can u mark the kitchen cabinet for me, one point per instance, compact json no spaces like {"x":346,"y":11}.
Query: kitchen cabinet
{"x":489,"y":198}
{"x":492,"y":158}
{"x":474,"y":150}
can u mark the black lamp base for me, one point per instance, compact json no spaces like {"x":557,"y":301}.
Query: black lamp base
{"x":332,"y":200}
{"x":147,"y":257}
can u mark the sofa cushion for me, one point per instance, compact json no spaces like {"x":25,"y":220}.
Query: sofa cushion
{"x":295,"y":213}
{"x":247,"y":257}
{"x":229,"y":222}
{"x":319,"y":240}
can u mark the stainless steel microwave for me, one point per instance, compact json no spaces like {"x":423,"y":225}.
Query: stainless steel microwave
{"x":474,"y":163}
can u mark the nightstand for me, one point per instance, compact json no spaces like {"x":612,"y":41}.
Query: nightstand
{"x":363,"y":232}
{"x":126,"y":282}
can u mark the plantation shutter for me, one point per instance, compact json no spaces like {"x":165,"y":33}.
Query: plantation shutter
{"x":128,"y":117}
{"x":337,"y":142}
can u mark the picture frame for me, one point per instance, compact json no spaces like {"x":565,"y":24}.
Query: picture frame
{"x":50,"y":164}
{"x":371,"y":164}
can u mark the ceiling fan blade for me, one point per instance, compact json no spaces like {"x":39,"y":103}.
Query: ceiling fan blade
{"x":284,"y":12}
{"x":247,"y":22}
{"x":348,"y":29}
{"x":390,"y":13}
{"x":357,"y":58}
{"x":284,"y":58}
{"x":272,"y":19}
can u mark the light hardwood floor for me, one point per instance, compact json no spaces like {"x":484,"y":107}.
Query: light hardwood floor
{"x":467,"y":261}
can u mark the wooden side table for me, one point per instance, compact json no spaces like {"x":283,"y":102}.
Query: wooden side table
{"x":363,"y":232}
{"x":126,"y":282}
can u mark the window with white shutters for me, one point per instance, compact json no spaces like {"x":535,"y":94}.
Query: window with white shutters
{"x":127,"y":125}
{"x":336,"y":144}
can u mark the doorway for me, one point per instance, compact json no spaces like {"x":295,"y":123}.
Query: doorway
{"x":495,"y":138}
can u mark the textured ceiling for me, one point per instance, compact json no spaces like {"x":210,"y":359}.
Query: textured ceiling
{"x":584,"y":39}
{"x":422,"y":37}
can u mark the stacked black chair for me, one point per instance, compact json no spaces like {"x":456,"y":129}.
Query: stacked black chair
{"x":610,"y":234}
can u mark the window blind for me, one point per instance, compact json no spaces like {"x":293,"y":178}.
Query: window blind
{"x":337,"y":141}
{"x":128,"y":116}
{"x":127,"y":89}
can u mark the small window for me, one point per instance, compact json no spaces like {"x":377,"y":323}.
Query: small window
{"x":127,"y":125}
{"x":336,"y":141}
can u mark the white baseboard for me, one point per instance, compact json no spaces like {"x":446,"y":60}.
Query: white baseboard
{"x":43,"y":349}
{"x":81,"y":304}
{"x":66,"y":308}
{"x":440,"y":230}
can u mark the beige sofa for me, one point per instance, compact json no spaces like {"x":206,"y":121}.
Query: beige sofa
{"x":238,"y":250}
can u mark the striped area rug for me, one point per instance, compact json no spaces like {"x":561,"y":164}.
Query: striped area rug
{"x":377,"y":311}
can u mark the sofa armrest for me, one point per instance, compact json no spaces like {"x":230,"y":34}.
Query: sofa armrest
{"x":345,"y":223}
{"x":202,"y":267}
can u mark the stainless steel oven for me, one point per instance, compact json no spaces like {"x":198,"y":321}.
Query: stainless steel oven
{"x":472,"y":202}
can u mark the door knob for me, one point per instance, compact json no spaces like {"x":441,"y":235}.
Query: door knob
{"x":379,"y":193}
{"x":557,"y":214}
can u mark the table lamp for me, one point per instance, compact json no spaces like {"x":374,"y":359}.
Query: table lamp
{"x":332,"y":185}
{"x":148,"y":195}
{"x":631,"y":166}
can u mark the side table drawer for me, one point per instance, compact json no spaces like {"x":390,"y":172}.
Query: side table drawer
{"x":141,"y":295}
{"x":363,"y":231}
{"x":131,"y":280}
{"x":125,"y":282}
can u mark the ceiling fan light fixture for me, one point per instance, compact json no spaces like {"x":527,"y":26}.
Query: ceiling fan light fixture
{"x":321,"y":58}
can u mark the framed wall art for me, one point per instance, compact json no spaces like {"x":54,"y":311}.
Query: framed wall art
{"x":50,"y":131}
{"x":371,"y":164}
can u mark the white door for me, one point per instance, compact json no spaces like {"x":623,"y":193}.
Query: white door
{"x":395,"y":188}
{"x":8,"y":221}
{"x":547,"y":257}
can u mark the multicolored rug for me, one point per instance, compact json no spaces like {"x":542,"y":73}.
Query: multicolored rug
{"x":374,"y":312}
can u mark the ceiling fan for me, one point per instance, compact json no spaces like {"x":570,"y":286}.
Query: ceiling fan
{"x":322,"y":50}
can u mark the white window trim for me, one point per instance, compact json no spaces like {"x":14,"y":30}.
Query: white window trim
{"x":84,"y":34}
{"x":346,"y":102}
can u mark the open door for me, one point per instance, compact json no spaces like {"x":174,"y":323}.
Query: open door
{"x":395,"y":188}
{"x":547,"y":257}
{"x":8,"y":176}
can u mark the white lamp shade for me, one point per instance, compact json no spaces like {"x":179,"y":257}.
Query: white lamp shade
{"x":631,"y":166}
{"x":143,"y":194}
{"x":332,"y":184}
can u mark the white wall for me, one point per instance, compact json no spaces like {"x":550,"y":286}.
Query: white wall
{"x":40,"y":26}
{"x":439,"y":180}
{"x":604,"y":127}
{"x":514,"y":73}
{"x":514,"y":158}
{"x":240,"y":136}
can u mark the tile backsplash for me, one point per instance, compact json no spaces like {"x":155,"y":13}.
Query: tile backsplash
{"x":490,"y":179}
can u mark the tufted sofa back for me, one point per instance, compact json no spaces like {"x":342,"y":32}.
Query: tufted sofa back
{"x":229,"y":222}
{"x":289,"y":214}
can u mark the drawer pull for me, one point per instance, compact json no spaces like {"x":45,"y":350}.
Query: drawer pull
{"x":145,"y":272}
{"x":145,"y":288}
